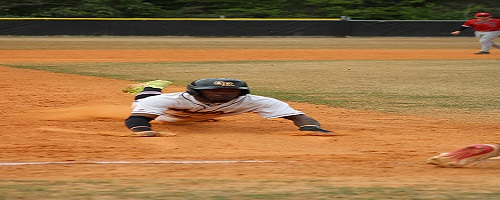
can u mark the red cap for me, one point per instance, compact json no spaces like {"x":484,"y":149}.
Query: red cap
{"x":482,"y":14}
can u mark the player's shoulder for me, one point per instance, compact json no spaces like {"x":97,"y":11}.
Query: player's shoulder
{"x":174,"y":94}
{"x":169,"y":95}
{"x":164,"y":96}
{"x":258,"y":98}
{"x":253,"y":96}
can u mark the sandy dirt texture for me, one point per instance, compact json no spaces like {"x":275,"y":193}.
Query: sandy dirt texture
{"x":53,"y":117}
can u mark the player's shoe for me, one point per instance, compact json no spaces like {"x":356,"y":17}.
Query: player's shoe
{"x":149,"y":134}
{"x":464,"y":156}
{"x":138,"y":87}
{"x":482,"y":52}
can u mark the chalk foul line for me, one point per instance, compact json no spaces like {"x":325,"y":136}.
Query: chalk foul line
{"x":137,"y":162}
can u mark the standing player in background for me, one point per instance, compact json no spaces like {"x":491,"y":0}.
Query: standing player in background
{"x":486,"y":29}
{"x":205,"y":99}
{"x":466,"y":155}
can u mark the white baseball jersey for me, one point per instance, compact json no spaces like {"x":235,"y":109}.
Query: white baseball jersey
{"x":181,"y":106}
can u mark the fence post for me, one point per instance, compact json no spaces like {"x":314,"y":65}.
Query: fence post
{"x":346,"y":25}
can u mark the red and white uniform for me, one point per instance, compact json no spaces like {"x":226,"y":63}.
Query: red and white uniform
{"x":486,"y":31}
{"x":181,"y":107}
{"x":488,"y":25}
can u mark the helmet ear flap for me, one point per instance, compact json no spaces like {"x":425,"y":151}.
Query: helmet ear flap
{"x":192,"y":92}
{"x":190,"y":89}
{"x":244,"y":92}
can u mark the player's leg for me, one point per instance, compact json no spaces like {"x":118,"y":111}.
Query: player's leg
{"x":464,"y":156}
{"x":485,"y":44}
{"x":495,"y":34}
{"x":486,"y":40}
{"x":146,"y":89}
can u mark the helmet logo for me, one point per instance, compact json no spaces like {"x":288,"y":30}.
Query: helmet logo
{"x":222,"y":83}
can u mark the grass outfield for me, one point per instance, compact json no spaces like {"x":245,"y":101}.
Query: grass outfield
{"x":437,"y":88}
{"x":211,"y":189}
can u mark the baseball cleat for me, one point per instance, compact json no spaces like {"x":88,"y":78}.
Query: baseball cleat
{"x":482,"y":52}
{"x":149,"y":134}
{"x":464,"y":156}
{"x":138,"y":87}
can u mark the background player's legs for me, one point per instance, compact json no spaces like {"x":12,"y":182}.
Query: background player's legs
{"x":486,"y":39}
{"x":494,"y":34}
{"x":496,"y":45}
{"x":485,"y":44}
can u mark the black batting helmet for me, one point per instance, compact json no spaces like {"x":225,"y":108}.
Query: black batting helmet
{"x":217,"y":83}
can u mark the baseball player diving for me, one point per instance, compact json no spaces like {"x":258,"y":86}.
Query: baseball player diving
{"x":205,"y":99}
{"x":486,"y":29}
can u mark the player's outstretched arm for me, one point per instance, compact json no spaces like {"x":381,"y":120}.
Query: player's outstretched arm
{"x":306,"y":123}
{"x":459,"y":30}
{"x":140,"y":126}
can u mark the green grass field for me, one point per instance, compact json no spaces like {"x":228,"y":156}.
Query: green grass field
{"x":194,"y":189}
{"x":462,"y":89}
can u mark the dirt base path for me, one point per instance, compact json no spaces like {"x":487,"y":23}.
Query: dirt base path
{"x":69,"y":122}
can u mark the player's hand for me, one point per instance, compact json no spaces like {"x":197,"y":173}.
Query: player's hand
{"x":314,"y":128}
{"x":455,"y":32}
{"x":150,"y":134}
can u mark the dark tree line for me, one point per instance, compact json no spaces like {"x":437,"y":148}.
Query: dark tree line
{"x":356,"y":9}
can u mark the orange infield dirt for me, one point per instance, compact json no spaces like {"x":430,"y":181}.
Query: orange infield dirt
{"x":52,"y":117}
{"x":40,"y":56}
